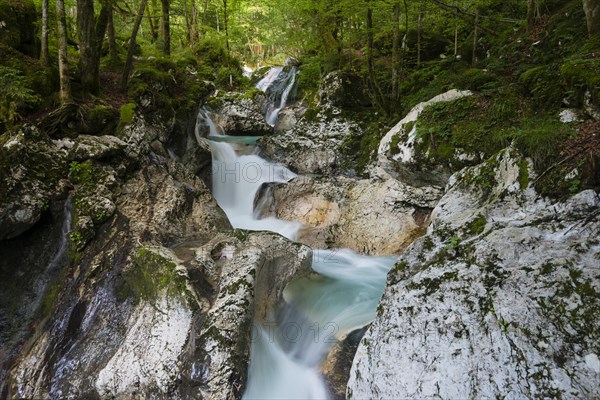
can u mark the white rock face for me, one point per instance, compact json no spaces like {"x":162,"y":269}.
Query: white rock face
{"x":242,"y":116}
{"x":311,"y":146}
{"x":368,"y":216}
{"x":407,"y":145}
{"x":499,"y":299}
{"x":570,"y":115}
{"x":85,"y":147}
{"x":148,"y":355}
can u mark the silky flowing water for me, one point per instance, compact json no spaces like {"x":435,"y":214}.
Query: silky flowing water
{"x":286,"y":353}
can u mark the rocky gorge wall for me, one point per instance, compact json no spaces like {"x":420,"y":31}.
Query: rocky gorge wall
{"x":155,"y":294}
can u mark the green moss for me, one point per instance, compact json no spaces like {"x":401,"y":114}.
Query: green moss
{"x":547,"y":268}
{"x":483,"y":177}
{"x":523,"y":177}
{"x":49,"y":299}
{"x":83,"y":173}
{"x":540,"y":83}
{"x":101,"y":119}
{"x":582,"y":74}
{"x":432,"y":285}
{"x":126,"y":113}
{"x":477,"y":226}
{"x":150,"y":274}
{"x":428,"y":244}
{"x":394,"y":149}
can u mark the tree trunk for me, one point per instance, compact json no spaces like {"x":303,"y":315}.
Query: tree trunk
{"x":113,"y":52}
{"x":150,"y":10}
{"x":217,"y":15}
{"x":188,"y":24}
{"x":395,"y":50}
{"x":204,"y":12}
{"x":63,"y":66}
{"x":405,"y":38}
{"x":44,"y":50}
{"x":87,"y":40}
{"x":475,"y":38}
{"x":456,"y":40}
{"x":592,"y":15}
{"x":225,"y":25}
{"x":530,"y":14}
{"x":194,"y":20}
{"x":100,"y":32}
{"x":419,"y":40}
{"x":165,"y":27}
{"x":131,"y":50}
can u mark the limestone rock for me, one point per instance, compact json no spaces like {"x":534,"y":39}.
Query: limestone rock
{"x":340,"y":89}
{"x":311,"y":146}
{"x":242,"y":116}
{"x":85,"y":147}
{"x":373,"y":217}
{"x":252,"y":280}
{"x":399,"y":162}
{"x":30,"y":167}
{"x":495,"y":301}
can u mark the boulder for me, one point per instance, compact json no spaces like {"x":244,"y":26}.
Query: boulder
{"x":340,"y":89}
{"x":311,"y":146}
{"x":85,"y":147}
{"x":497,"y":300}
{"x":372,"y":217}
{"x":30,"y":168}
{"x":396,"y":153}
{"x":240,"y":115}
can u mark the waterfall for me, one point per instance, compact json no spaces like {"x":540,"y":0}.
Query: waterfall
{"x":237,"y":179}
{"x":279,"y":85}
{"x":63,"y":244}
{"x":319,"y":310}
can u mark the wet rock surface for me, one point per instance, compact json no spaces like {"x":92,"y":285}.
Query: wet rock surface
{"x":311,"y":146}
{"x":494,"y":301}
{"x":152,"y":295}
{"x":30,"y":167}
{"x":372,"y":217}
{"x":240,"y":115}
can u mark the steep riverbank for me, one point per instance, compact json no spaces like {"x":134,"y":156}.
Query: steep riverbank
{"x":144,"y":279}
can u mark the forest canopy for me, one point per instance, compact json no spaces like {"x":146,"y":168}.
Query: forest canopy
{"x":90,"y":47}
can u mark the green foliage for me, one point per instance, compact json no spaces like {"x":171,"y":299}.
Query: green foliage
{"x":83,"y":173}
{"x":581,"y":75}
{"x":538,"y":137}
{"x":477,"y":226}
{"x":126,"y":113}
{"x":309,"y":76}
{"x":541,"y":83}
{"x":14,"y":95}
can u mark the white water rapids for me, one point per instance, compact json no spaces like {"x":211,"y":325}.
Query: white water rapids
{"x":286,"y":354}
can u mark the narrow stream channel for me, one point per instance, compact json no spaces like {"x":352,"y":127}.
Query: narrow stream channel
{"x":321,"y":309}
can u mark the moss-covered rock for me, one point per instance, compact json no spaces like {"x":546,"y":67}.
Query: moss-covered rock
{"x":153,"y":272}
{"x":30,"y":167}
{"x":101,"y":119}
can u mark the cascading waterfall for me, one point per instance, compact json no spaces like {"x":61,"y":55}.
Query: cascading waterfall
{"x":286,"y":354}
{"x":236,"y":180}
{"x":279,"y":85}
